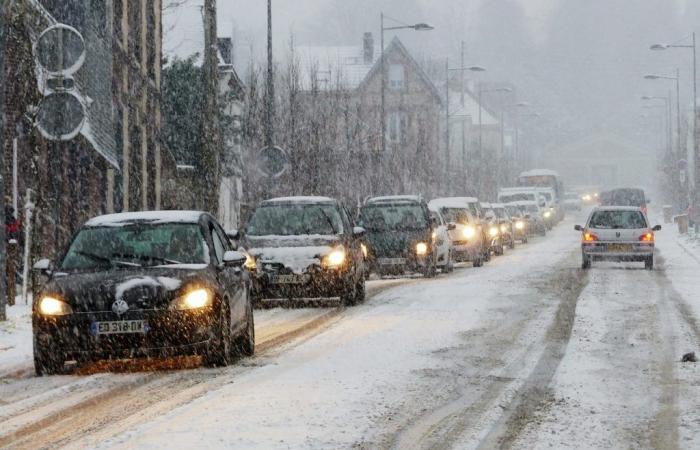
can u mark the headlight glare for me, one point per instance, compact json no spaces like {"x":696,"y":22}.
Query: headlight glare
{"x":519,"y":225}
{"x":468,"y":232}
{"x":421,"y":248}
{"x":335,"y":258}
{"x":365,"y":252}
{"x":504,"y":228}
{"x":194,"y":299}
{"x":51,"y":306}
{"x":493,"y":231}
{"x":250,"y":262}
{"x":547,"y":214}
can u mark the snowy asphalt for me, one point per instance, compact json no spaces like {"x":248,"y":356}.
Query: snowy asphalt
{"x":527,"y":352}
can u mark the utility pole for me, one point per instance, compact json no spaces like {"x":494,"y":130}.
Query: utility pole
{"x":464,"y":134}
{"x":270,"y":100}
{"x":3,"y":290}
{"x":447,"y":125}
{"x":211,"y":142}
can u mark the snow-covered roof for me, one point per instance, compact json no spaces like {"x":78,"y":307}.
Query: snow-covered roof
{"x":617,"y":208}
{"x":447,"y":202}
{"x":523,"y":203}
{"x":470,"y":108}
{"x":486,"y":205}
{"x":540,"y":173}
{"x":497,"y":205}
{"x":396,"y":198}
{"x":300,"y":199}
{"x":120,"y":219}
{"x":331,"y":67}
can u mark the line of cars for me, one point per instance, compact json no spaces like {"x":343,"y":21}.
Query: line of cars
{"x":165,"y":283}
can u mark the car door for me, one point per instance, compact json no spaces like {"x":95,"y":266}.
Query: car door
{"x":232,"y":278}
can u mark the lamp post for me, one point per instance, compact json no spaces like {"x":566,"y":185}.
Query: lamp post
{"x":3,"y":291}
{"x":696,"y":150}
{"x":481,"y":93}
{"x":667,"y":105}
{"x":460,"y":69}
{"x":416,"y":27}
{"x":678,"y":101}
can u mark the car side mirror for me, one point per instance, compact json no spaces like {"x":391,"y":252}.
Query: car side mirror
{"x":527,"y":216}
{"x":234,"y":258}
{"x":578,"y":228}
{"x":358,"y":231}
{"x":433,"y":222}
{"x":234,"y":234}
{"x":657,"y":228}
{"x":43,"y":266}
{"x":451,"y":226}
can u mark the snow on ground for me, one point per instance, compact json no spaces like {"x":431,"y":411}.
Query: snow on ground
{"x":16,"y":338}
{"x":332,"y":391}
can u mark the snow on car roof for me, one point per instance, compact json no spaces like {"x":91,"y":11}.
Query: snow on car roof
{"x":523,"y":203}
{"x":617,"y":208}
{"x":299,"y":199}
{"x":447,"y":202}
{"x":539,"y":173}
{"x":122,"y":219}
{"x":497,"y":205}
{"x":486,"y":205}
{"x":394,"y":198}
{"x":468,"y":199}
{"x":509,"y":190}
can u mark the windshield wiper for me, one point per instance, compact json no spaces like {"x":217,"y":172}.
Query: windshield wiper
{"x":328,"y":219}
{"x":147,"y":257}
{"x":94,"y":257}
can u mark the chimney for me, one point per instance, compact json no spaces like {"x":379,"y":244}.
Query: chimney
{"x":368,"y":48}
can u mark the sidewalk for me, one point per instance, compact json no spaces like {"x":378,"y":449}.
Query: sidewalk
{"x":16,"y":337}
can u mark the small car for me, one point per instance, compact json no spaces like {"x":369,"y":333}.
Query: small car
{"x":572,"y":201}
{"x":442,"y":242}
{"x":399,"y":235}
{"x":617,"y":233}
{"x":304,"y":248}
{"x":479,"y":220}
{"x":494,"y":229}
{"x":624,"y":197}
{"x":505,"y":223}
{"x":534,"y":215}
{"x":468,"y":243}
{"x":520,"y":223}
{"x":158,"y":283}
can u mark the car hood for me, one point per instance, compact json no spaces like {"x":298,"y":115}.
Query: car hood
{"x":392,"y":243}
{"x":142,"y":288}
{"x":296,"y":253}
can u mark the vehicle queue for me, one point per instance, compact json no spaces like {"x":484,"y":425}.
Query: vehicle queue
{"x":168,"y":283}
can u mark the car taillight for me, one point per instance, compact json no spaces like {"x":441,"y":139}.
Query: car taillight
{"x":647,"y":237}
{"x":589,"y":237}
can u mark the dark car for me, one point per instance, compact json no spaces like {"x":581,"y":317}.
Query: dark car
{"x":305,"y":247}
{"x":624,"y":197}
{"x":399,"y":235}
{"x":158,"y":283}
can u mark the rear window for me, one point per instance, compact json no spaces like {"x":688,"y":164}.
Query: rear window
{"x":623,"y":197}
{"x":617,"y":220}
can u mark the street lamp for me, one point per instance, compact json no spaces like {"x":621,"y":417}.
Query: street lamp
{"x":421,"y":26}
{"x":678,"y":100}
{"x":481,"y":92}
{"x":696,"y":151}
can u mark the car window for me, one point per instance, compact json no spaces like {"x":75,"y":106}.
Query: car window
{"x":617,"y":220}
{"x":295,"y":219}
{"x":455,"y":215}
{"x":219,"y":246}
{"x":398,"y":216}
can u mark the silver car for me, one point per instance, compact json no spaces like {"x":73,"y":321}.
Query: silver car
{"x":617,"y":233}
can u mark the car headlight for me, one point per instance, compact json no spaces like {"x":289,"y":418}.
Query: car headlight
{"x":250,"y":262}
{"x":519,"y":225}
{"x":365,"y":252}
{"x":468,"y":232}
{"x":433,"y":235}
{"x":335,"y":258}
{"x":421,"y":248}
{"x":504,"y":228}
{"x":547,"y":214}
{"x":493,"y":231}
{"x":195,"y":299}
{"x":51,"y":306}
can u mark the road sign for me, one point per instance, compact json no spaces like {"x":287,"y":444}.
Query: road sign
{"x":60,"y":116}
{"x":274,"y":161}
{"x":60,"y":50}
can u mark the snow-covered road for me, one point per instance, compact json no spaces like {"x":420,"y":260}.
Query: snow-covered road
{"x":527,"y":352}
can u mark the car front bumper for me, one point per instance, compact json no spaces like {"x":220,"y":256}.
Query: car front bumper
{"x":322,"y":283}
{"x":168,"y":333}
{"x":465,"y":251}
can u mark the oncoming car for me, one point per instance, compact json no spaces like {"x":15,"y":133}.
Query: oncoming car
{"x":617,"y":233}
{"x":158,"y":283}
{"x":304,"y":247}
{"x":468,"y":243}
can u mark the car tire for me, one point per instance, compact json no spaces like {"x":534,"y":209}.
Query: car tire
{"x":500,"y":250}
{"x":218,"y":352}
{"x":349,"y":295}
{"x":47,"y":362}
{"x":487,"y":254}
{"x":245,"y":343}
{"x":649,"y":263}
{"x":524,"y":239}
{"x":478,"y":262}
{"x":543,"y":231}
{"x":585,"y":262}
{"x":450,"y":266}
{"x":360,"y":292}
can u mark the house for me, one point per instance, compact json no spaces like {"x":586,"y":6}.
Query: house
{"x":116,"y":162}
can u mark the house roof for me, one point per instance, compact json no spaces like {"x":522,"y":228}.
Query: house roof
{"x":470,"y":108}
{"x":333,"y":66}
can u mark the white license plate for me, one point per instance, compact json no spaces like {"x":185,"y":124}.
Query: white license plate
{"x":619,"y":248}
{"x":391,"y":261}
{"x":119,"y":327}
{"x":289,"y":279}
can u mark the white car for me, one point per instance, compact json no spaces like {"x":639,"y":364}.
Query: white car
{"x":535,"y":215}
{"x":466,"y":236}
{"x":617,"y":233}
{"x":442,"y":244}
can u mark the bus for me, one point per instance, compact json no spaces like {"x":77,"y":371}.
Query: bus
{"x":548,"y":179}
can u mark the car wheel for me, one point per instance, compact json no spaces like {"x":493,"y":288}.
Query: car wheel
{"x":499,"y":250}
{"x":360,"y":291}
{"x":585,"y":262}
{"x":245,"y":344}
{"x":450,"y":266}
{"x":218,"y":351}
{"x":524,"y":240}
{"x":349,"y":294}
{"x":543,"y":231}
{"x":487,"y":254}
{"x":478,"y":262}
{"x":47,"y":362}
{"x":430,"y":270}
{"x":649,"y":263}
{"x":511,"y":243}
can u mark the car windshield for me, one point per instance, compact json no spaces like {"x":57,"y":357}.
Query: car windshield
{"x":136,"y":245}
{"x":409,"y":216}
{"x":500,"y":213}
{"x":295,"y":220}
{"x":455,"y":215}
{"x":617,"y":220}
{"x":516,"y":197}
{"x":531,"y":208}
{"x":513,"y":211}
